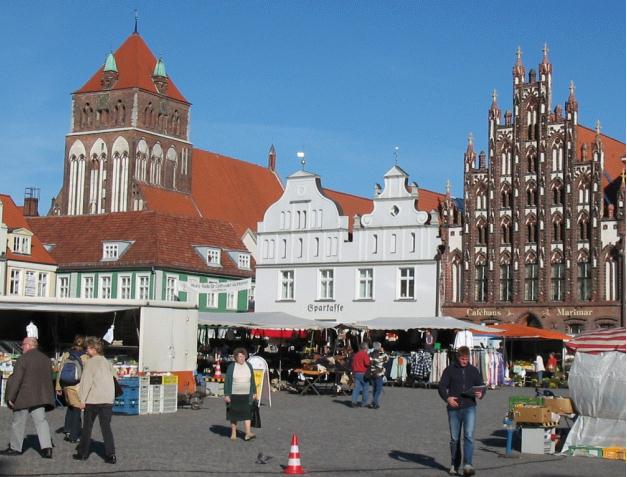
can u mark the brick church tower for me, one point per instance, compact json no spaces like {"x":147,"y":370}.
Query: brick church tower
{"x":540,"y":240}
{"x":129,"y":127}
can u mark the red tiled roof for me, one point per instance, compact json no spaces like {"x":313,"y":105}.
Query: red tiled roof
{"x":349,"y":205}
{"x":231,"y":190}
{"x":161,"y":240}
{"x":135,"y":63}
{"x":429,"y":200}
{"x":13,"y":218}
{"x":614,"y":152}
{"x":169,"y":202}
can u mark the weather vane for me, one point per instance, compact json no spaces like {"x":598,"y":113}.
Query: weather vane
{"x":136,"y":20}
{"x":396,"y":149}
{"x":301,"y":156}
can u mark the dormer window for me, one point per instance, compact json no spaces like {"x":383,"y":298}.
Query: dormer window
{"x":243,"y":260}
{"x":213,"y":256}
{"x":21,"y":244}
{"x":110,"y":251}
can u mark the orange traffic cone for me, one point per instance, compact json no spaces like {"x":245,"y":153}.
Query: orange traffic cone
{"x":218,"y":373}
{"x":293,"y":460}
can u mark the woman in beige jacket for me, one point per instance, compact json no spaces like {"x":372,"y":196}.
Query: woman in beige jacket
{"x":72,"y":425}
{"x":97,"y":393}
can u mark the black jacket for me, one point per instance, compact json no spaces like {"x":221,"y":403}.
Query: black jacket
{"x":457,"y":380}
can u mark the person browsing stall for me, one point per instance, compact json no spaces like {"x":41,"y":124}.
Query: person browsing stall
{"x":239,"y":393}
{"x":360,"y":364}
{"x":97,"y":393}
{"x":69,"y":386}
{"x":460,"y":386}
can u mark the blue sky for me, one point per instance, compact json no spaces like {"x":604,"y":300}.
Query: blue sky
{"x":345,"y":81}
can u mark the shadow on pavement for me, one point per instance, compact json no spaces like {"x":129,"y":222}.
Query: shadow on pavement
{"x":221,"y":430}
{"x":421,"y":459}
{"x":499,"y":439}
{"x":345,"y":402}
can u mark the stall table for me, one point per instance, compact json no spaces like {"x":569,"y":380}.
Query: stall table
{"x":312,"y":380}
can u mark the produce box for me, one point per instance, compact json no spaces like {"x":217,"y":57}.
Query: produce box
{"x":560,"y":405}
{"x":614,"y":453}
{"x":516,"y":401}
{"x":173,"y":379}
{"x":533,"y":415}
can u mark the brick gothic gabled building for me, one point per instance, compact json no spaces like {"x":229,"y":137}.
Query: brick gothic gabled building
{"x":540,"y":236}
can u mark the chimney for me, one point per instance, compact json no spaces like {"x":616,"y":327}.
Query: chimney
{"x":31,"y":202}
{"x":272,"y":159}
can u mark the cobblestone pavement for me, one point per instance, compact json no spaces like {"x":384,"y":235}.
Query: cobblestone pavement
{"x":407,"y":436}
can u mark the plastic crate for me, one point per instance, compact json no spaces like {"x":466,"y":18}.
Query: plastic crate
{"x":126,"y":406}
{"x":129,"y":381}
{"x":516,"y":401}
{"x":156,"y":380}
{"x":614,"y":453}
{"x":585,"y":451}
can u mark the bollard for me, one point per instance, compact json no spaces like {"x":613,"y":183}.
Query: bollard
{"x":509,"y":426}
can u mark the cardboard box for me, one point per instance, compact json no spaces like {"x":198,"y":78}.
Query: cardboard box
{"x":533,"y":415}
{"x":560,"y":405}
{"x":538,"y":440}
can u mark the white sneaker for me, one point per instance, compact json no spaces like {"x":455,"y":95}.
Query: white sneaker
{"x":452,"y":470}
{"x":469,"y":470}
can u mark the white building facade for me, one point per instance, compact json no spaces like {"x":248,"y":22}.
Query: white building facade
{"x":313,"y":262}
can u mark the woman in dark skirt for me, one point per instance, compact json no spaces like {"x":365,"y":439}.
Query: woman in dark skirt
{"x":239,"y":393}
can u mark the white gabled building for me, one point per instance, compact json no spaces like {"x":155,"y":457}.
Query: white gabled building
{"x":314,"y":262}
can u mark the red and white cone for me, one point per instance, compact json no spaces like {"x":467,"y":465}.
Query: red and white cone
{"x":293,"y":460}
{"x":218,"y":372}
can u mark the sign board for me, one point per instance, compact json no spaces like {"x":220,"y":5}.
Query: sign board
{"x":215,"y":287}
{"x":262,"y":377}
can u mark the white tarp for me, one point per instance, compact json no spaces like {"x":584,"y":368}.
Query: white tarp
{"x":64,"y":307}
{"x":408,"y":323}
{"x":264,"y":319}
{"x":597,"y":389}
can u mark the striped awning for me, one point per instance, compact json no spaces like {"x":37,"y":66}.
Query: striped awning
{"x":599,"y":341}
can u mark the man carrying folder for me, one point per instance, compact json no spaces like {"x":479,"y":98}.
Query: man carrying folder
{"x":460,"y":386}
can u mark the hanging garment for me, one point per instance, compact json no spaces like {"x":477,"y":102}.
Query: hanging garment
{"x":420,"y":364}
{"x":463,"y":338}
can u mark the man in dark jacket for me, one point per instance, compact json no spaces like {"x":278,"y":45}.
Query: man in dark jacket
{"x":460,"y":386}
{"x":29,"y":391}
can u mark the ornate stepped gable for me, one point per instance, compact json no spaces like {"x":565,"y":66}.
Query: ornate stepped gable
{"x":536,"y":208}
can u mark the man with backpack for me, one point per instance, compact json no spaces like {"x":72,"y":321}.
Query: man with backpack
{"x":68,"y":379}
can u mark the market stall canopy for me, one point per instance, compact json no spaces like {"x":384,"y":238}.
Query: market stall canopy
{"x":599,"y":341}
{"x":277,"y":320}
{"x":63,"y":307}
{"x":515,"y":331}
{"x":423,"y":323}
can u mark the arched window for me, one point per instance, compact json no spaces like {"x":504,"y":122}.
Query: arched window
{"x":531,"y":195}
{"x":482,"y":236}
{"x":558,"y":193}
{"x":506,"y":278}
{"x":558,"y":229}
{"x":481,"y":280}
{"x":531,"y":281}
{"x":506,"y":197}
{"x":583,"y":228}
{"x":531,"y":163}
{"x":612,"y":282}
{"x":557,"y":158}
{"x":584,"y":280}
{"x":97,"y":182}
{"x":119,"y":175}
{"x":506,"y":163}
{"x":532,"y":230}
{"x":76,"y":186}
{"x":481,"y":202}
{"x":456,"y":285}
{"x":506,"y":232}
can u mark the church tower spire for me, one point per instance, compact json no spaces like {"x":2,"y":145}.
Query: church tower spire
{"x":572,"y":107}
{"x":519,"y":69}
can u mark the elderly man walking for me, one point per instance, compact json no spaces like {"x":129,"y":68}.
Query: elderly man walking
{"x":29,"y":391}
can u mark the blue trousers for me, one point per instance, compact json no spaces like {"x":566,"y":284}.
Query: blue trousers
{"x":458,"y":418}
{"x":361,"y":386}
{"x":377,"y":389}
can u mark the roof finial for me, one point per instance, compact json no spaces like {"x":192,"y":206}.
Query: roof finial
{"x":571,"y":88}
{"x":518,"y":55}
{"x":470,"y":139}
{"x":597,"y":127}
{"x":136,"y":21}
{"x":448,"y":187}
{"x":301,"y":156}
{"x":396,"y":149}
{"x":494,"y":96}
{"x":545,"y":50}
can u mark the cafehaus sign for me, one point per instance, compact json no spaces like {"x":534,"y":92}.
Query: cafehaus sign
{"x":483,"y":312}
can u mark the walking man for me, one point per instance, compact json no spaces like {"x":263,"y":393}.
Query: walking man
{"x":361,"y":363}
{"x":29,"y":391}
{"x":460,"y":386}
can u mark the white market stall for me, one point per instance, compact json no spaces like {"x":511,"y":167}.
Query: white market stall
{"x":411,"y":322}
{"x":597,"y":389}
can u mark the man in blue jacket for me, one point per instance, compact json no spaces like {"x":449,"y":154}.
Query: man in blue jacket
{"x":460,"y":386}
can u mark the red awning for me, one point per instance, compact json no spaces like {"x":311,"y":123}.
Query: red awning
{"x":285,"y":334}
{"x":599,"y":341}
{"x":513,"y":330}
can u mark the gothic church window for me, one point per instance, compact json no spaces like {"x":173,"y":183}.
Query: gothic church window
{"x":584,"y":281}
